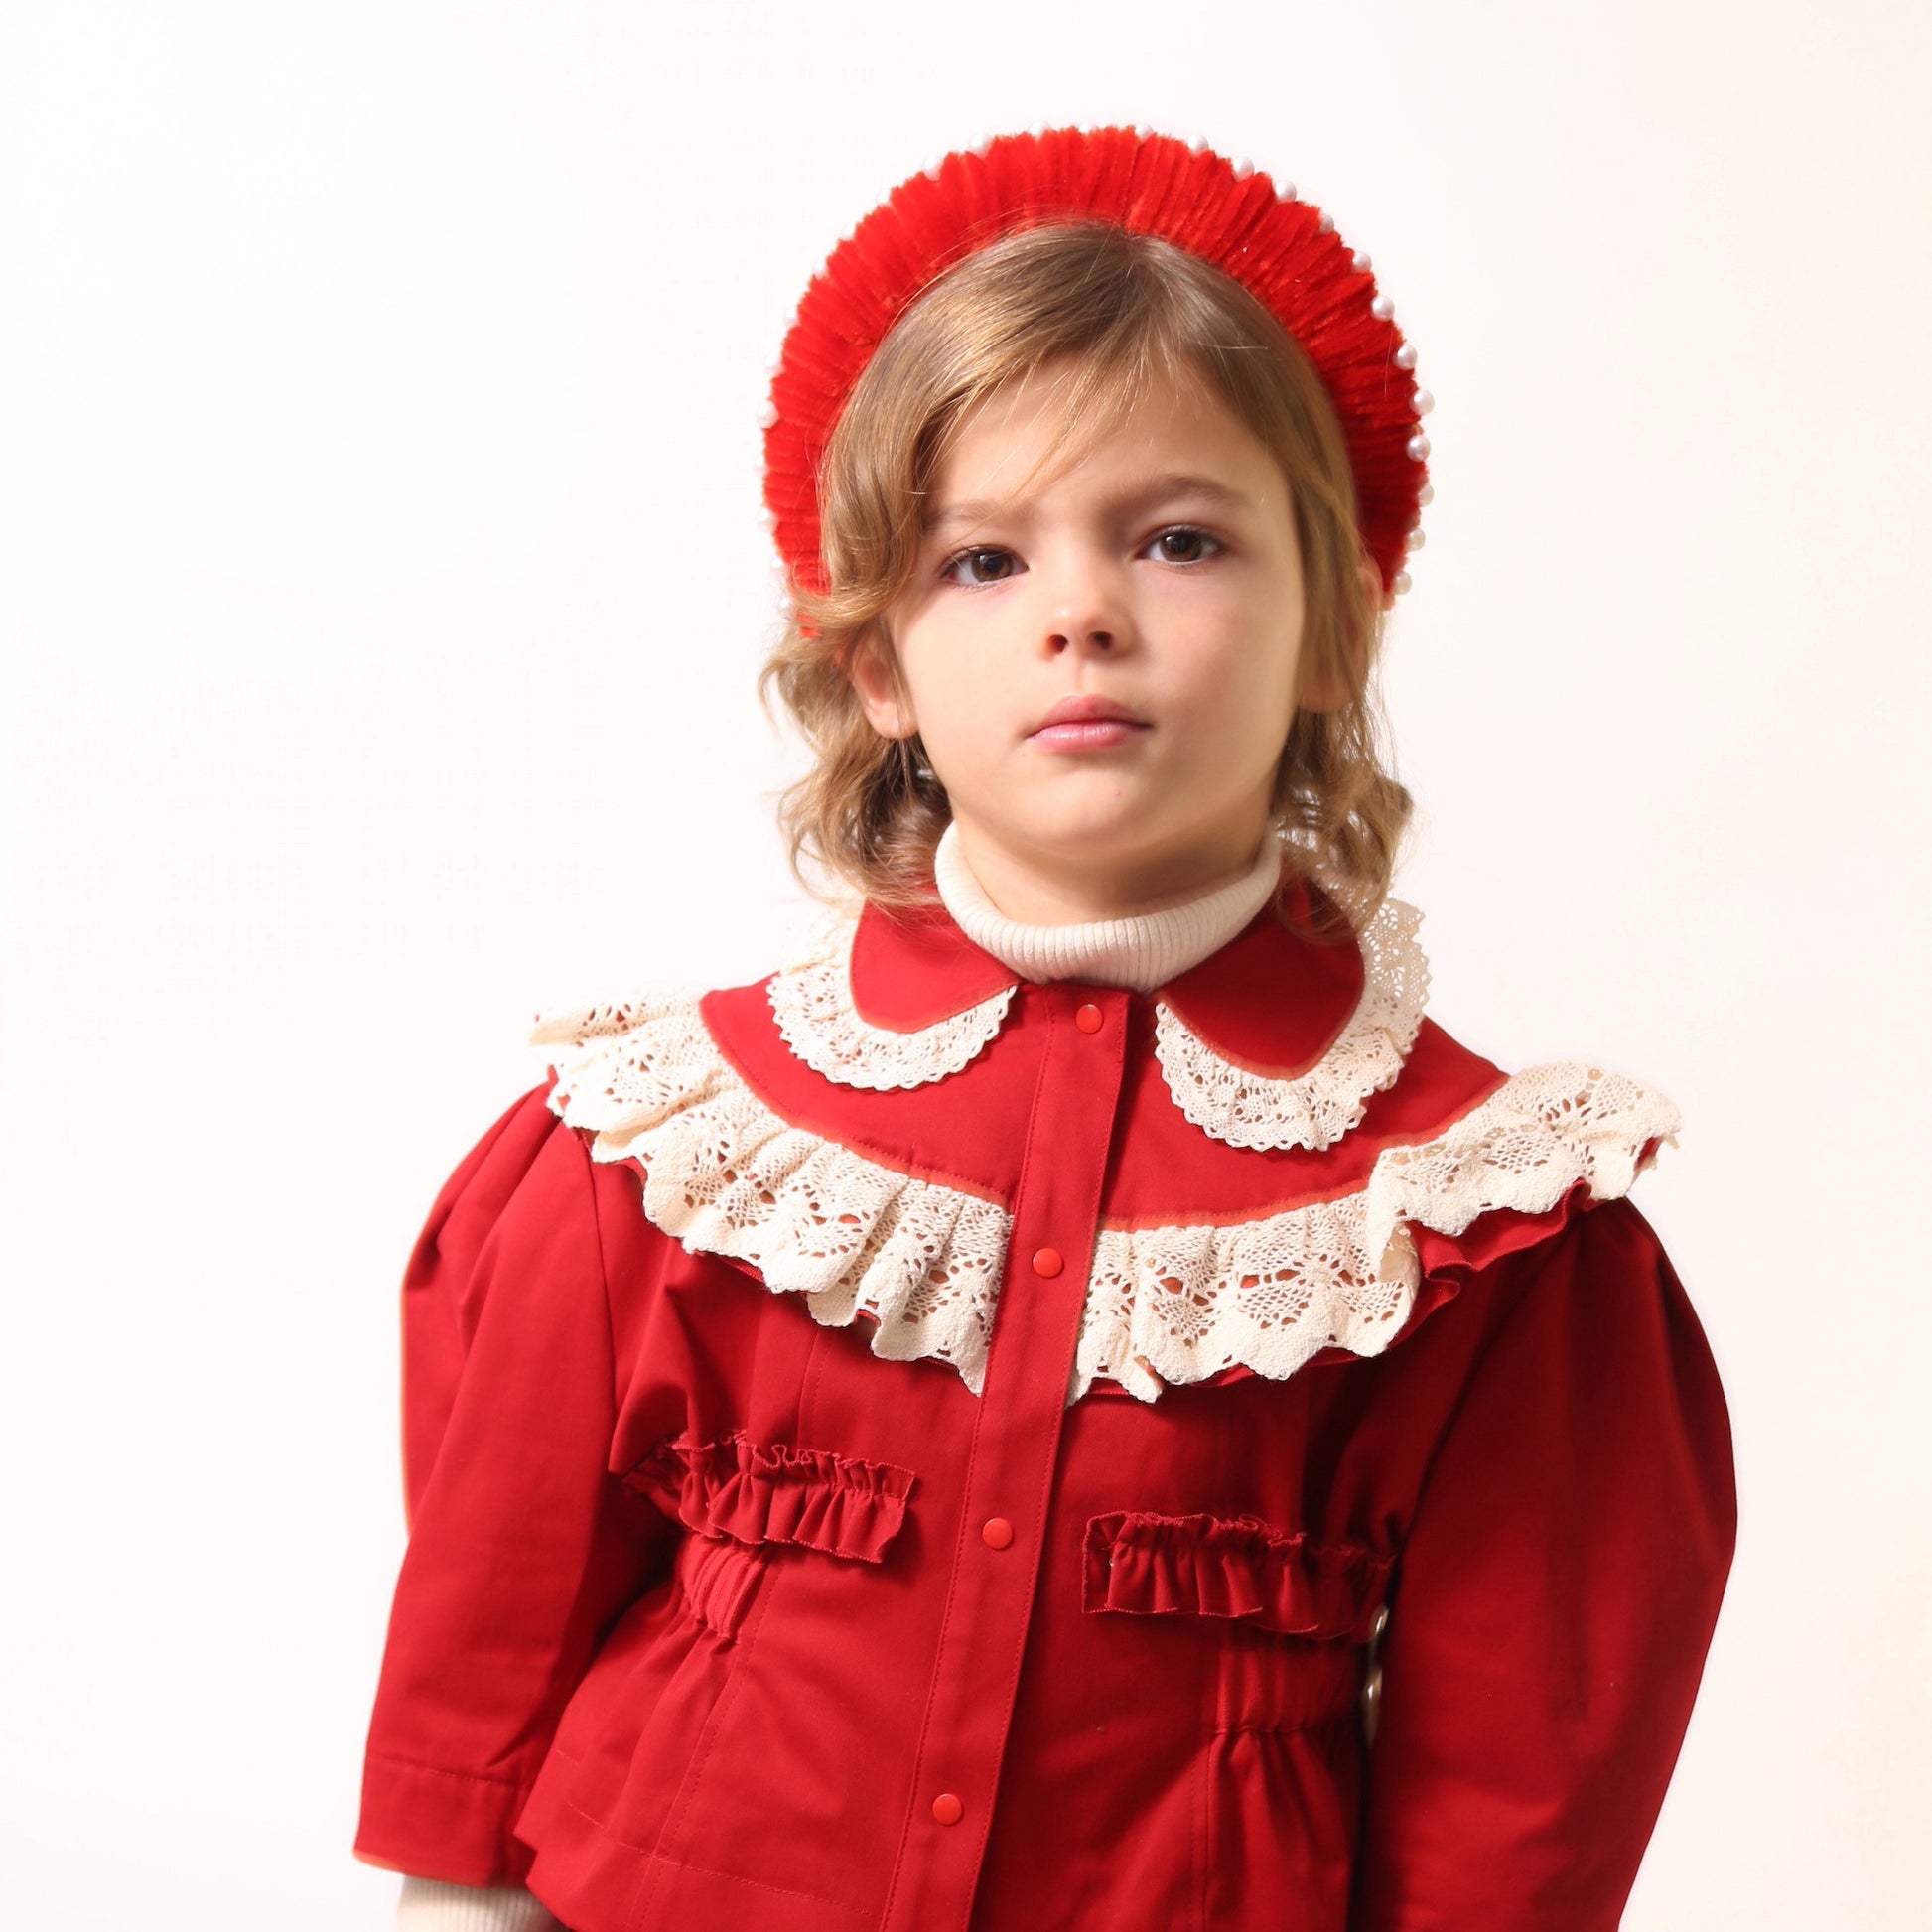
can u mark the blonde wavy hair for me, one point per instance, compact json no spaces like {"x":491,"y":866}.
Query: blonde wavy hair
{"x":1123,"y":311}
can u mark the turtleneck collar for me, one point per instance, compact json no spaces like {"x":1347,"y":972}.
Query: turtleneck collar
{"x":1141,"y":952}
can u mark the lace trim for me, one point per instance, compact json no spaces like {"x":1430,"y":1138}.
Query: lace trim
{"x":1182,"y":1303}
{"x":724,"y":1174}
{"x":813,"y":1003}
{"x":1315,"y":1110}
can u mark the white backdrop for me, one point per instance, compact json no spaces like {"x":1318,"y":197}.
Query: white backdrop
{"x":382,"y":577}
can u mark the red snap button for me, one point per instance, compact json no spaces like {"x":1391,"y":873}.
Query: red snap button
{"x":948,"y":1809}
{"x":1089,"y":1019}
{"x":1046,"y":1261}
{"x":996,"y":1531}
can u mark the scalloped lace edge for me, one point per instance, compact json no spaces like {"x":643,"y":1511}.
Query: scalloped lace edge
{"x":724,"y":1174}
{"x":813,"y":1003}
{"x":1315,"y":1109}
{"x":1182,"y":1303}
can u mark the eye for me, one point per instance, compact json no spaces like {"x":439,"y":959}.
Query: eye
{"x":1183,"y":544}
{"x":982,"y":566}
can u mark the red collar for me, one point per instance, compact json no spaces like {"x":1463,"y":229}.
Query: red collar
{"x":1268,"y":1001}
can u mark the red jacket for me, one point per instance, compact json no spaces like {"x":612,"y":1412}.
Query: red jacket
{"x":893,"y":1448}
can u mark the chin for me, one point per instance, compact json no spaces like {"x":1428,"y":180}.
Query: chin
{"x":1092,"y":834}
{"x":1088,"y":815}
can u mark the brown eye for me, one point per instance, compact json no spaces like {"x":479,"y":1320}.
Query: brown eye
{"x":1184,"y":546}
{"x":980,"y":566}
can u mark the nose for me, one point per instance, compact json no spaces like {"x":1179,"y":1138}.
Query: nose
{"x":1084,"y":612}
{"x":1065,"y":639}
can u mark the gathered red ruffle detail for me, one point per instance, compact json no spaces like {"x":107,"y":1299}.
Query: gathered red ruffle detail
{"x":1231,"y":1566}
{"x":1449,"y":1260}
{"x":774,"y":1492}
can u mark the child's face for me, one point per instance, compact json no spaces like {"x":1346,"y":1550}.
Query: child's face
{"x":1161,"y":573}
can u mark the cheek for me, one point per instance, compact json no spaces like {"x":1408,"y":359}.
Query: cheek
{"x":1242,"y":663}
{"x":955,"y":703}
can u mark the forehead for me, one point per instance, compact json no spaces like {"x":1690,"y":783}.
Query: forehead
{"x":1045,"y":433}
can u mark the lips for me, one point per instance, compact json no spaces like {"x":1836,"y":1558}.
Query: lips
{"x":1087,"y":709}
{"x":1087,"y":724}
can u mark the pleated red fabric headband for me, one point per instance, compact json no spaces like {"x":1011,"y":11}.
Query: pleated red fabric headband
{"x":1282,"y":250}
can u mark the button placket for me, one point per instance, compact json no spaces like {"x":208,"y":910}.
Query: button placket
{"x":1015,"y":1449}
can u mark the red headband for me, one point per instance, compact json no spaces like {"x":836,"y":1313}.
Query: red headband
{"x":1284,"y":252}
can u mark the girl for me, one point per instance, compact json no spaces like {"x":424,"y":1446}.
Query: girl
{"x":1075,"y":1404}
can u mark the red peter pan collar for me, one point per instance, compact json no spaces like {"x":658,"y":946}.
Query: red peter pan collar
{"x":1267,"y":1000}
{"x":1275,"y":1040}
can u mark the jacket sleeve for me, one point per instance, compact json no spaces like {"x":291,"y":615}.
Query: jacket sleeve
{"x":522,"y":1547}
{"x":1554,"y":1600}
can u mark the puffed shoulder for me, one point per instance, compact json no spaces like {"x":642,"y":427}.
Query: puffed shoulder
{"x":1593,"y":1267}
{"x":523,"y":1144}
{"x":1486,"y":1197}
{"x":513,"y":1238}
{"x":530,"y":1182}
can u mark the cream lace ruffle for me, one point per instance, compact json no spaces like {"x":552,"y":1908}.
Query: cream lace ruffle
{"x":1182,"y":1303}
{"x":724,"y":1174}
{"x":813,"y":1003}
{"x":1315,"y":1110}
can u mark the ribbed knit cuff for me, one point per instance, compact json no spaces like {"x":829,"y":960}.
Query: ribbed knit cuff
{"x":1141,"y":952}
{"x":429,"y":1905}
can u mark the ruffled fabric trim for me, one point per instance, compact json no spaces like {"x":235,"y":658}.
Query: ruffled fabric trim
{"x":772,"y":1492}
{"x":1316,"y":1109}
{"x":724,"y":1174}
{"x":814,"y":1006}
{"x":1182,"y":1303}
{"x":719,"y":1578}
{"x":1231,"y":1566}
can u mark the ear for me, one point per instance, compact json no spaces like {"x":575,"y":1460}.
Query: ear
{"x":875,"y":677}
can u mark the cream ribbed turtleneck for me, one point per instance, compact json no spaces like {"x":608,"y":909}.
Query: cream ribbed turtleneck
{"x":1141,"y":952}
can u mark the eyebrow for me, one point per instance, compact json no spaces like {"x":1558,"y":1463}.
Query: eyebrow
{"x":1155,"y":489}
